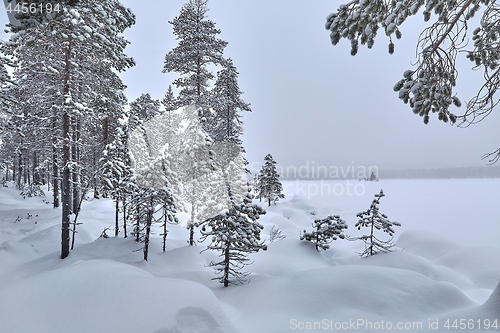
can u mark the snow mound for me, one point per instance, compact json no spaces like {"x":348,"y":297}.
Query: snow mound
{"x":343,"y":293}
{"x":479,"y":264}
{"x":492,"y":305}
{"x":107,"y":296}
{"x":484,"y":318}
{"x":426,"y":244}
{"x":408,"y":261}
{"x":287,"y":256}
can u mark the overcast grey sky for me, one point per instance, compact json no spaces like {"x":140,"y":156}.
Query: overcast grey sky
{"x":312,"y":101}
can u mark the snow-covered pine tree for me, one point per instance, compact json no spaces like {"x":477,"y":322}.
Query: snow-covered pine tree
{"x":198,"y":48}
{"x":214,"y":196}
{"x":228,"y":105}
{"x":234,"y":233}
{"x":373,"y":219}
{"x":108,"y":104}
{"x":196,"y":160}
{"x":145,"y":107}
{"x":326,"y":231}
{"x":268,"y":185}
{"x":116,"y":171}
{"x":154,"y":196}
{"x":6,"y":82}
{"x":150,"y":158}
{"x":59,"y":51}
{"x":29,"y":128}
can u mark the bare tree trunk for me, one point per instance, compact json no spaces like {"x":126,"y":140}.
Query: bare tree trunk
{"x":124,"y":218}
{"x":149,"y":221}
{"x":75,"y":157}
{"x":65,"y":186}
{"x":105,"y":132}
{"x":55,"y":167}
{"x":191,"y":226}
{"x":165,"y":231}
{"x":137,"y":224}
{"x":117,"y":201}
{"x":26,"y":167}
{"x":226,"y":265}
{"x":14,"y":170}
{"x":36,"y":174}
{"x":19,"y":171}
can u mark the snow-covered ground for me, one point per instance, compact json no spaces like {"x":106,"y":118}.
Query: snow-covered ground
{"x":442,"y":271}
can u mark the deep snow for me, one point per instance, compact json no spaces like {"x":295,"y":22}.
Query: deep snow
{"x":444,"y":267}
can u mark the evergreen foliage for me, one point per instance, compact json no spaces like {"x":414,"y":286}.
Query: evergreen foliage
{"x":116,"y":171}
{"x":374,"y":219}
{"x":268,"y":186}
{"x":227,"y":105}
{"x":429,"y":87}
{"x":169,"y":101}
{"x":67,"y":90}
{"x":326,"y":231}
{"x":145,"y":107}
{"x":153,"y":196}
{"x":198,"y":48}
{"x":234,"y":233}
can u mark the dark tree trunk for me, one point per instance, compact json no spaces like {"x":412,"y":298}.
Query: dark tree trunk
{"x":66,"y":174}
{"x":26,"y":167}
{"x":124,"y":218}
{"x":66,"y":189}
{"x":137,"y":224}
{"x":19,"y":171}
{"x":191,"y":235}
{"x":149,"y":221}
{"x":105,"y":132}
{"x":7,"y":172}
{"x":371,"y":239}
{"x":165,"y":231}
{"x":226,"y":265}
{"x":75,"y":157}
{"x":55,"y":167}
{"x":117,"y":201}
{"x":14,"y":170}
{"x":36,"y":174}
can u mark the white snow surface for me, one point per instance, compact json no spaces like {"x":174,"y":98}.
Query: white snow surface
{"x":444,"y":267}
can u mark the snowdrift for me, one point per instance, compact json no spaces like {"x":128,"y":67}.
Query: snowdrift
{"x":105,"y":286}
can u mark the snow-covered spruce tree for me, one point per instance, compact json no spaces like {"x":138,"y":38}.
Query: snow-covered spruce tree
{"x":326,"y":231}
{"x":429,"y":87}
{"x":228,"y":105}
{"x":234,"y":233}
{"x":58,"y":51}
{"x":169,"y":101}
{"x":373,"y":219}
{"x":268,"y":185}
{"x":145,"y":107}
{"x":198,"y":48}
